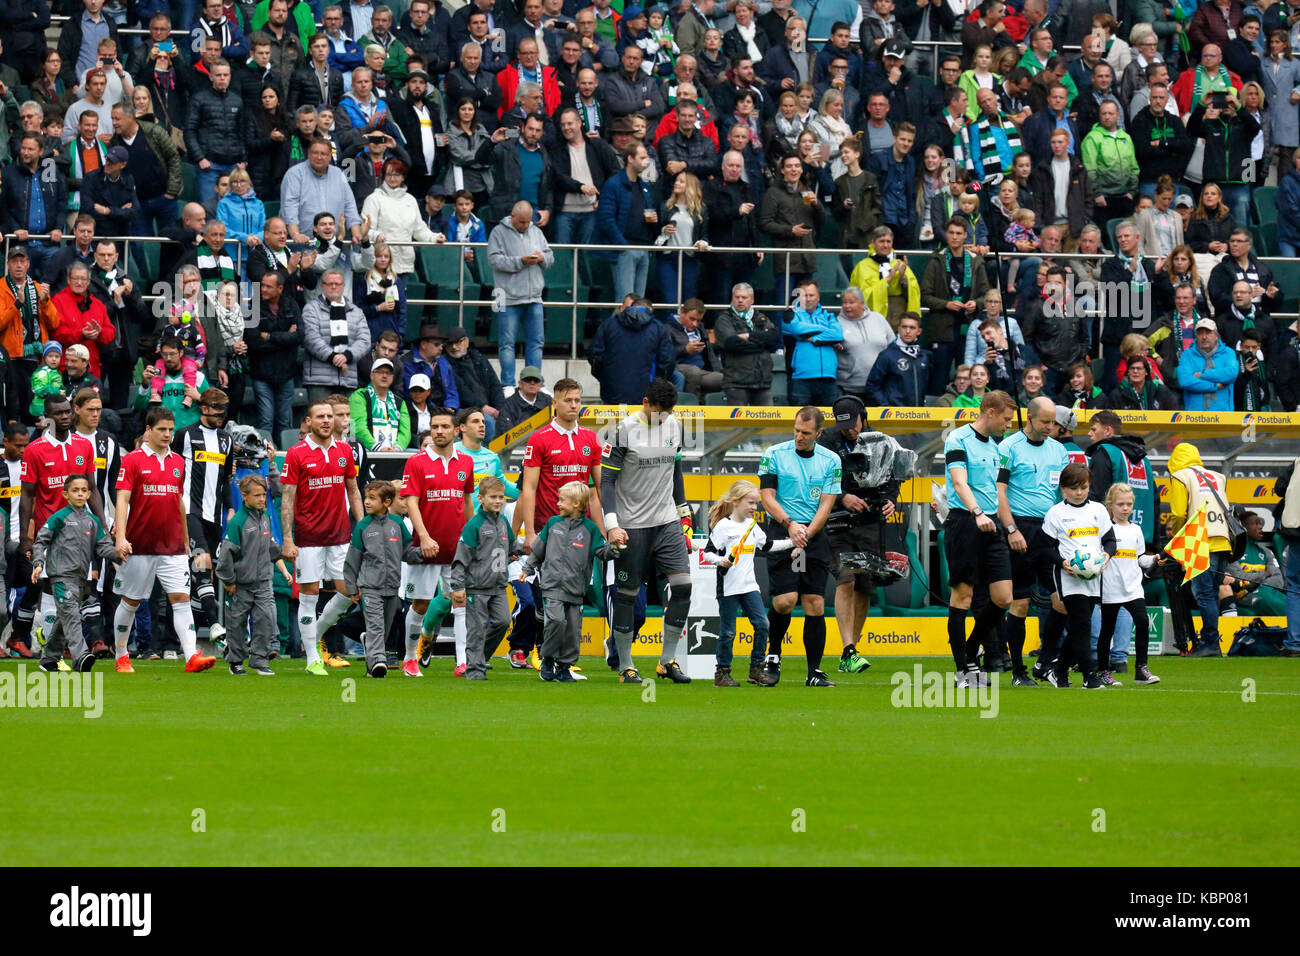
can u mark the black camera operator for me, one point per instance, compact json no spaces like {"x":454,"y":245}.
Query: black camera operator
{"x":873,"y":465}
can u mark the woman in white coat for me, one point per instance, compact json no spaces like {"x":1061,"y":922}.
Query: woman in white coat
{"x":1280,"y":76}
{"x":395,"y":217}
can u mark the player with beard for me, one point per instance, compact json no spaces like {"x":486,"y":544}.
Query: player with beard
{"x":99,"y":603}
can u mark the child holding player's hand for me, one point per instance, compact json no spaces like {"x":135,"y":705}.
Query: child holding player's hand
{"x":565,"y":551}
{"x":733,"y":541}
{"x":373,"y":569}
{"x":65,"y":548}
{"x":245,"y":560}
{"x":479,"y":576}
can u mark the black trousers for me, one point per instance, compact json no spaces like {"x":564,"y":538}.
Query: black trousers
{"x":1141,"y":629}
{"x":1078,"y":617}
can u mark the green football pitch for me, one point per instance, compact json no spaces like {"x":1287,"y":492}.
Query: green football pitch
{"x":215,"y":770}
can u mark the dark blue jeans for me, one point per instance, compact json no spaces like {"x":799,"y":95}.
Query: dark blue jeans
{"x":752,"y":604}
{"x":667,"y":270}
{"x":813,"y":391}
{"x":274,"y":406}
{"x":1205,"y":588}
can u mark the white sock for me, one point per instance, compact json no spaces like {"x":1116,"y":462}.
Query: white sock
{"x":333,"y":613}
{"x":413,"y":621}
{"x":307,"y":626}
{"x":183,"y":621}
{"x":48,"y":611}
{"x":458,"y":629}
{"x":123,"y":618}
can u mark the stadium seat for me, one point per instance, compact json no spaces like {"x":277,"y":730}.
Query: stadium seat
{"x":272,"y":207}
{"x":716,"y":398}
{"x":687,"y":398}
{"x":1286,"y":273}
{"x":1111,"y":226}
{"x":189,"y":183}
{"x":1260,"y":240}
{"x":288,"y":438}
{"x":1264,"y":199}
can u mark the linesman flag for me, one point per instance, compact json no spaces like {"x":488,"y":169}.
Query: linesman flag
{"x":1190,"y":547}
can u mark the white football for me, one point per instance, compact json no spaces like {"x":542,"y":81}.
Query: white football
{"x":1086,"y":563}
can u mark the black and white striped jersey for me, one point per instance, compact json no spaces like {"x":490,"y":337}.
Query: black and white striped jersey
{"x":108,"y":462}
{"x":208,"y":467}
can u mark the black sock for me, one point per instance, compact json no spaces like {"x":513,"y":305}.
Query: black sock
{"x":973,"y":644}
{"x":848,"y":651}
{"x":1052,"y":631}
{"x":957,"y":636}
{"x":986,"y":624}
{"x":814,"y":641}
{"x":1016,"y":642}
{"x":777,"y":625}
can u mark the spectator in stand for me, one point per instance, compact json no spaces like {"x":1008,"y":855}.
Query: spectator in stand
{"x":1280,"y":78}
{"x":1080,"y":390}
{"x":468,"y":79}
{"x":1160,"y":228}
{"x":1111,"y":160}
{"x":866,"y":335}
{"x":109,"y":195}
{"x":732,"y":222}
{"x":625,"y":216}
{"x":791,"y":216}
{"x":582,"y":165}
{"x":631,"y":348}
{"x":83,"y":319}
{"x":212,"y":132}
{"x":1214,"y":23}
{"x":685,"y":223}
{"x":887,"y":282}
{"x":214,"y":23}
{"x":394,"y":217}
{"x":1250,"y":392}
{"x":1062,"y":188}
{"x":960,"y":382}
{"x":154,"y":163}
{"x":380,"y":419}
{"x":522,"y":172}
{"x":988,"y":29}
{"x":953,"y":285}
{"x":528,"y":399}
{"x":1160,"y":140}
{"x":1211,"y":223}
{"x":317,"y":186}
{"x":697,"y":362}
{"x":1229,"y":135}
{"x":857,"y":205}
{"x":1140,"y":391}
{"x":895,"y":172}
{"x":1241,"y":263}
{"x":28,"y":319}
{"x":1288,"y":210}
{"x":266,"y":131}
{"x":335,"y":337}
{"x":33,"y":202}
{"x":81,"y":249}
{"x":273,"y":354}
{"x":243,"y":213}
{"x":976,"y":347}
{"x":1132,"y":270}
{"x":469,"y":151}
{"x":687,"y":149}
{"x":901,"y":372}
{"x":747,"y":339}
{"x":630,"y":90}
{"x":316,"y":82}
{"x":476,"y":383}
{"x":818,"y":337}
{"x":380,"y":290}
{"x":1207,"y":371}
{"x":1055,"y":328}
{"x":519,"y":256}
{"x":1031,"y":385}
{"x":1244,"y":316}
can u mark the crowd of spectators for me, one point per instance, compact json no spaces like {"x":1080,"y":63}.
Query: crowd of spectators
{"x":313,"y":144}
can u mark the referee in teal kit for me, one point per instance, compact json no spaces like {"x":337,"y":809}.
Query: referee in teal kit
{"x":975,"y":546}
{"x":1028,"y":476}
{"x":798,"y":483}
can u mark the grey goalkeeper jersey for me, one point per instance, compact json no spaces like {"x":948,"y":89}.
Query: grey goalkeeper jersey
{"x":641,"y":472}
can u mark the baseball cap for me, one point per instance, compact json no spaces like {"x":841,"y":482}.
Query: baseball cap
{"x":1066,"y":418}
{"x":414,"y":73}
{"x":531,"y":371}
{"x":381,"y":363}
{"x":117,"y":154}
{"x":418,"y":381}
{"x":456,"y":334}
{"x":439,"y":190}
{"x":52,"y":346}
{"x":1184,"y":201}
{"x":1206,"y":324}
{"x":846,"y":408}
{"x":895,"y":47}
{"x":17,"y":252}
{"x":80,"y":351}
{"x":632,"y":12}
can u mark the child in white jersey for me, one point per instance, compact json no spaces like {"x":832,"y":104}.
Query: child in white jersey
{"x":733,"y":541}
{"x":1077,"y":523}
{"x":1121,"y":584}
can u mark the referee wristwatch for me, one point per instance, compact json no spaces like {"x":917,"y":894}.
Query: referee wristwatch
{"x":1011,"y":528}
{"x":978,"y":512}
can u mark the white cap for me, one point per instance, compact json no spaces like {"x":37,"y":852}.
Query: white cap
{"x":419,"y":381}
{"x":381,"y":363}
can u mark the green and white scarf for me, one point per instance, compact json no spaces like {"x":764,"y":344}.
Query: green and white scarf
{"x":385,"y":417}
{"x":30,"y":307}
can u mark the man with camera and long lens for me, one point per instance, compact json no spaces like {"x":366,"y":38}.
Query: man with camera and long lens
{"x":872,"y":466}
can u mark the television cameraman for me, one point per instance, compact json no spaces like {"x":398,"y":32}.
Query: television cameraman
{"x":873,"y":465}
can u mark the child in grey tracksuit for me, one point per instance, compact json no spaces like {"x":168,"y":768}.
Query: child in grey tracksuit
{"x":245,"y":560}
{"x":373,"y":569}
{"x":65,"y":547}
{"x":479,"y":576}
{"x":565,"y":550}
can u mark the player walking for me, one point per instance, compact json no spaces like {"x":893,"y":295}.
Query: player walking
{"x":319,"y":491}
{"x":644,"y":498}
{"x":556,"y":454}
{"x":799,"y":481}
{"x":438,"y":487}
{"x":47,"y":462}
{"x":152,"y":538}
{"x":1028,"y":474}
{"x":99,"y":602}
{"x":975,"y":546}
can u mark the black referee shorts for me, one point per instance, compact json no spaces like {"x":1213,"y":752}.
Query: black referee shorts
{"x":649,"y":552}
{"x":807,"y":575}
{"x":1034,"y":564}
{"x":867,"y":537}
{"x":974,"y":557}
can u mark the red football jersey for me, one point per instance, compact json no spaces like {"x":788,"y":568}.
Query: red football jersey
{"x":154,"y":523}
{"x":562,"y":458}
{"x":321,"y":515}
{"x":441,"y":485}
{"x":47,"y":464}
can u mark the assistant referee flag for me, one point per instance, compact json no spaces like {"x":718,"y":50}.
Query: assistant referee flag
{"x":1190,"y":547}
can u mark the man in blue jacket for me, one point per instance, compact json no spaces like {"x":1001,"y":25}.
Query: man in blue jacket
{"x":817,"y":335}
{"x":895,"y":170}
{"x":629,"y":349}
{"x":1207,"y":371}
{"x":902,"y":370}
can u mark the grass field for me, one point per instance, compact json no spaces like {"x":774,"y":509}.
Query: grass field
{"x":415,"y":772}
